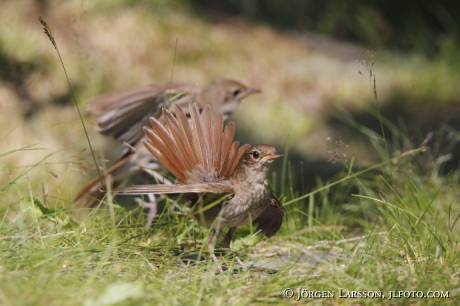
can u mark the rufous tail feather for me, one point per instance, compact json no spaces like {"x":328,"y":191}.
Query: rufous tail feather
{"x":194,"y":148}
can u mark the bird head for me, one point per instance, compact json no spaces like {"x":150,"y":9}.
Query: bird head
{"x":256,"y":162}
{"x":225,"y":95}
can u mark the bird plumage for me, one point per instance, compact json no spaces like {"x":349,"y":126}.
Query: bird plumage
{"x":123,"y":115}
{"x":207,"y":162}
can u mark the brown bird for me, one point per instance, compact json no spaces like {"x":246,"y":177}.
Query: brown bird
{"x":211,"y":168}
{"x":124,"y":114}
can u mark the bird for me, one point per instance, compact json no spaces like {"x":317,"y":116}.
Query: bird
{"x":212,"y":168}
{"x":123,"y":114}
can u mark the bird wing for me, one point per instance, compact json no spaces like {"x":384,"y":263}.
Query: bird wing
{"x":195,"y":150}
{"x":216,"y":188}
{"x":123,"y":114}
{"x":269,"y":222}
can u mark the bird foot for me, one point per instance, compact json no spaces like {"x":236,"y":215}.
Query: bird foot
{"x":152,"y":207}
{"x":240,"y":263}
{"x":222,"y":268}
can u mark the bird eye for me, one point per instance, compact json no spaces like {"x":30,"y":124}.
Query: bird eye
{"x":255,"y":154}
{"x":236,"y":92}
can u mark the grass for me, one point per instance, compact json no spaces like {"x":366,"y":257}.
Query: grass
{"x":384,"y":237}
{"x":390,"y":225}
{"x":375,"y":230}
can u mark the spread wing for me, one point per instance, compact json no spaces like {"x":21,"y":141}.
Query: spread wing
{"x":217,"y":188}
{"x":123,"y":114}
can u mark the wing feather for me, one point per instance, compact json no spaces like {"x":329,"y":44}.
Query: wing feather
{"x":218,"y":188}
{"x":270,"y":220}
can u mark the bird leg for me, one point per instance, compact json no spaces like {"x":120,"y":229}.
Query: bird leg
{"x":228,"y":239}
{"x":152,"y":204}
{"x":211,"y":248}
{"x":157,"y":176}
{"x":211,"y":244}
{"x":152,"y":207}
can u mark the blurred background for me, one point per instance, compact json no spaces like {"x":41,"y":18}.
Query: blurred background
{"x":308,"y":58}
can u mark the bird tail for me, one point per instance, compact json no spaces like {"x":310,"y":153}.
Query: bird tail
{"x":194,"y":150}
{"x":93,"y":192}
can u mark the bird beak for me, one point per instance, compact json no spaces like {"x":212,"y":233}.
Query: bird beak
{"x":272,"y":156}
{"x":249,"y":92}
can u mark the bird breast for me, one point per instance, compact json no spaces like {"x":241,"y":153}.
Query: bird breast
{"x":246,"y":204}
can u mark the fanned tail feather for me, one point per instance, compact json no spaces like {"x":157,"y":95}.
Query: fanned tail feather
{"x":194,"y":147}
{"x":186,"y":133}
{"x":240,"y":153}
{"x":227,"y":139}
{"x":198,"y":137}
{"x":217,"y":127}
